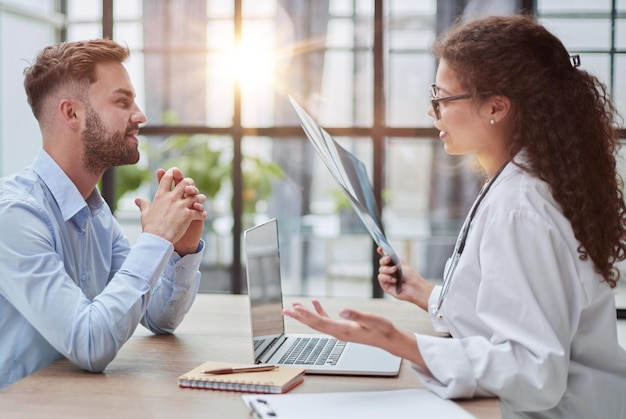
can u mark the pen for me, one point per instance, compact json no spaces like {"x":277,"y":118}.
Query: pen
{"x":253,"y":368}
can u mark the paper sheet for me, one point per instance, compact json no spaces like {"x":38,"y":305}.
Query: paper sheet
{"x":396,"y":404}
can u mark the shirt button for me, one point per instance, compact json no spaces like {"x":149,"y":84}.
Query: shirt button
{"x":83,"y":277}
{"x":180,"y":269}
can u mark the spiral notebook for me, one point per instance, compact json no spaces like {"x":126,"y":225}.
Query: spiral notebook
{"x":279,"y":380}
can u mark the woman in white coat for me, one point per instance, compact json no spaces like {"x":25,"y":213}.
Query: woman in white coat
{"x":527,"y":295}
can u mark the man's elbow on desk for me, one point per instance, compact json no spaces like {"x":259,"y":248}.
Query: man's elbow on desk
{"x":96,"y":364}
{"x":95,"y":355}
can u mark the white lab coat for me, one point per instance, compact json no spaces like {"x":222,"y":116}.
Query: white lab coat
{"x":531,"y":322}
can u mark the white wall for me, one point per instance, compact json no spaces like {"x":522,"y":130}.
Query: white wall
{"x":20,"y":39}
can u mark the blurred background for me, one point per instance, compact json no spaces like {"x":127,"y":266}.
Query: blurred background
{"x":214,"y":76}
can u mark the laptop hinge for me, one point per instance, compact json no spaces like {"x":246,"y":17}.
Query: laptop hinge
{"x":270,"y":350}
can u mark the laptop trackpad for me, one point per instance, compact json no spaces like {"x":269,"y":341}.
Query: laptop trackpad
{"x":367,"y":360}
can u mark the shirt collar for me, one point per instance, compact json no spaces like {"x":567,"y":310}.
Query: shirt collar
{"x":521,"y":157}
{"x":65,"y":193}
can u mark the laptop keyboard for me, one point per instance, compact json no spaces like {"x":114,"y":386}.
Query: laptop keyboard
{"x":313,"y":351}
{"x":257,"y":343}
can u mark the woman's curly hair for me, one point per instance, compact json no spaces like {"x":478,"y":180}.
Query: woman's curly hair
{"x":565,"y":122}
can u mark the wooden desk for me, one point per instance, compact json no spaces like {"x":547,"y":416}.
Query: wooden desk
{"x":142,"y":381}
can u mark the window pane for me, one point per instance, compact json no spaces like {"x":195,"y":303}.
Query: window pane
{"x":346,"y":89}
{"x":406,"y":213}
{"x":424,"y":208}
{"x":580,"y":34}
{"x":219,"y":91}
{"x":341,"y":7}
{"x":129,"y":34}
{"x":552,"y":6}
{"x":364,"y":33}
{"x":410,"y":66}
{"x":127,"y":9}
{"x":412,"y":7}
{"x":220,"y":35}
{"x":220,"y":9}
{"x":589,"y":34}
{"x":364,"y":7}
{"x":174,"y":34}
{"x":408,"y":195}
{"x":255,"y":67}
{"x":409,"y":76}
{"x":340,"y":33}
{"x":310,"y":208}
{"x":620,"y":34}
{"x":84,"y":9}
{"x":37,"y":6}
{"x":84,"y":31}
{"x":259,"y":8}
{"x":416,"y":33}
{"x":619,"y":92}
{"x":597,"y":64}
{"x":135,"y":66}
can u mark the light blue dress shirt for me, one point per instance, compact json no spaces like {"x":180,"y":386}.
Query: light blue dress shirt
{"x":70,"y":285}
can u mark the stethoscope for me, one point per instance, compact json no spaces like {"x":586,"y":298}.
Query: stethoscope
{"x":460,"y":245}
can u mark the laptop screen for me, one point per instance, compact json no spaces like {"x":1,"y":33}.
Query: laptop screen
{"x":263,"y":274}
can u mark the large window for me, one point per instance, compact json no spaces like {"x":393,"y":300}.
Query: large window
{"x":214,"y":76}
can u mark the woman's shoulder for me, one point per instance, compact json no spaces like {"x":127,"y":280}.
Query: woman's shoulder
{"x":519,"y":190}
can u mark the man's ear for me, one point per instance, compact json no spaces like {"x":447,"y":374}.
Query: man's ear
{"x":70,"y":111}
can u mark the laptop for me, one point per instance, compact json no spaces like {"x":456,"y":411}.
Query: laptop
{"x":316,"y":353}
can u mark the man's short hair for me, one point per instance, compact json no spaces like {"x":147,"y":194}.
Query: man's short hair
{"x":68,"y":64}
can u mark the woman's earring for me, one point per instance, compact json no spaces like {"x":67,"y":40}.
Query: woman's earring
{"x":492,"y":121}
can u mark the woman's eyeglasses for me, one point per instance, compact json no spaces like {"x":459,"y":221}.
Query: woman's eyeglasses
{"x":435,"y":101}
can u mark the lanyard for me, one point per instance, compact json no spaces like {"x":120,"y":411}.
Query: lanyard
{"x":460,"y":245}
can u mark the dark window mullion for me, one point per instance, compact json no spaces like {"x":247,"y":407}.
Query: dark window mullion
{"x":108,"y":178}
{"x":237,"y":200}
{"x":380,"y":123}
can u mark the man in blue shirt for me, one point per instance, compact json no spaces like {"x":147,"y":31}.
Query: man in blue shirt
{"x":70,"y":285}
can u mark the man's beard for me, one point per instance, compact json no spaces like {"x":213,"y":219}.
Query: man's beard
{"x":103,"y":150}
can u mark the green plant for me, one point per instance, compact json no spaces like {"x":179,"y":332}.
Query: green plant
{"x":342,"y":202}
{"x":129,"y":178}
{"x":208,"y":162}
{"x":258,"y":176}
{"x":194,"y":155}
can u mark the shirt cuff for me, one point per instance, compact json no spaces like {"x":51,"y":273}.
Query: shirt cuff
{"x":176,"y":257}
{"x":438,"y":324}
{"x":449,"y":373}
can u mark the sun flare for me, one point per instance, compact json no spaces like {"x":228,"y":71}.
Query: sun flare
{"x":251,"y":64}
